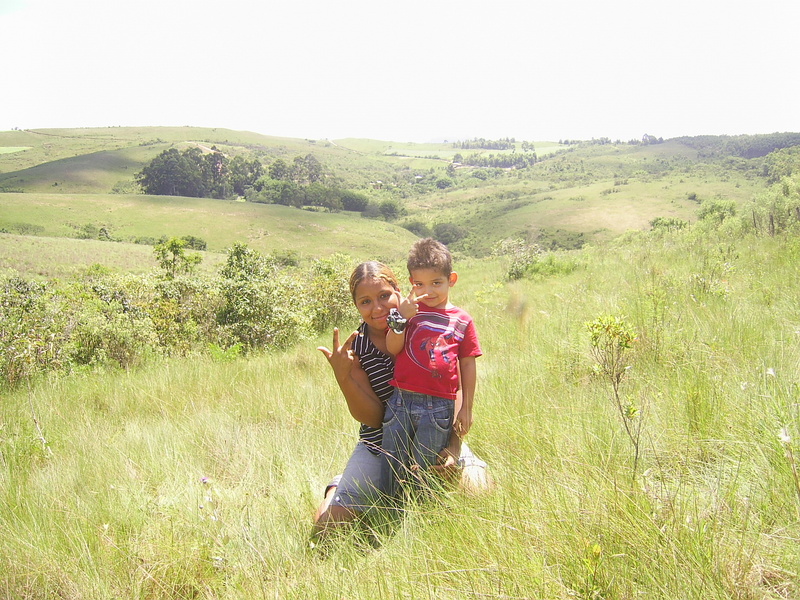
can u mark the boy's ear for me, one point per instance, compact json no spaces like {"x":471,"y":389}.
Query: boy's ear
{"x":453,"y":279}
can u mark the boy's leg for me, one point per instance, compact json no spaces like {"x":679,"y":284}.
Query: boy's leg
{"x":397,"y":435}
{"x":435,"y":423}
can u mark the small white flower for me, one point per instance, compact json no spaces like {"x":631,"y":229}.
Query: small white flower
{"x":744,"y":385}
{"x":771,"y":372}
{"x":784,"y":437}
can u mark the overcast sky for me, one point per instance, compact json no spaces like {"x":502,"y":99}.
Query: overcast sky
{"x":409,"y":70}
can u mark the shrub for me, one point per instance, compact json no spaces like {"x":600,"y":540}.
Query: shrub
{"x":419,"y":228}
{"x":32,"y":332}
{"x":262,"y":305}
{"x":520,"y":255}
{"x":329,"y":292}
{"x":449,"y":233}
{"x":110,"y":322}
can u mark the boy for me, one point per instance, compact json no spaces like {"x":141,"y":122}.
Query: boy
{"x":435,"y":344}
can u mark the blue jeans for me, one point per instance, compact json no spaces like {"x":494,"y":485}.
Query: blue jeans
{"x":365,"y":483}
{"x":416,"y":427}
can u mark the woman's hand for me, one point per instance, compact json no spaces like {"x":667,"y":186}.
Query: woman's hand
{"x":341,"y":358}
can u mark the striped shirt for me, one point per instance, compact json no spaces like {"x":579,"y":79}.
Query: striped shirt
{"x":379,"y":368}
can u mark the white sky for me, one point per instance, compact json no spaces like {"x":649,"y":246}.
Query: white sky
{"x":409,"y":70}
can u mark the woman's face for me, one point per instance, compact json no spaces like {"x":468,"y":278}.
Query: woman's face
{"x":374,"y":297}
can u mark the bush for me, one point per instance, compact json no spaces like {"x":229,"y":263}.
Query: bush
{"x":329,"y":292}
{"x":262,"y":305}
{"x":125,"y":320}
{"x":34,"y":326}
{"x":419,"y":228}
{"x":449,"y":233}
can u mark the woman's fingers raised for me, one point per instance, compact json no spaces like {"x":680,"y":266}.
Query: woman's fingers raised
{"x":348,"y":343}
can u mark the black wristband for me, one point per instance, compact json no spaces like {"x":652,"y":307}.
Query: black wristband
{"x":395,"y":321}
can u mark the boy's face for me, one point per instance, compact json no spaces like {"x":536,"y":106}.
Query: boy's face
{"x":433,"y":283}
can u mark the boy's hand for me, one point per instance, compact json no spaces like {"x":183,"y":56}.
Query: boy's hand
{"x":463,"y":421}
{"x":447,"y":462}
{"x":409,"y":306}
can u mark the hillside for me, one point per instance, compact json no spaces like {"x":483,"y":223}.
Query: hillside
{"x":60,"y":182}
{"x":267,"y":228}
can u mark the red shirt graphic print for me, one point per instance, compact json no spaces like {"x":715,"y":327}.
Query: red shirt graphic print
{"x":435,"y":340}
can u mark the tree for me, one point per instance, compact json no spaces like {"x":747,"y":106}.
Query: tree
{"x":444,"y":183}
{"x":447,"y":233}
{"x":214,"y":168}
{"x":389,"y":209}
{"x":278,"y":170}
{"x":354,"y":201}
{"x":172,"y":257}
{"x":244,"y":173}
{"x":172,"y":173}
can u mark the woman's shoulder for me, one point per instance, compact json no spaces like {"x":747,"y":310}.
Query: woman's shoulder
{"x":363,"y":346}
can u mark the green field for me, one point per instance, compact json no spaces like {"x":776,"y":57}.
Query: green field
{"x":151,"y":449}
{"x":198,"y":478}
{"x":590,"y":192}
{"x":266,"y":228}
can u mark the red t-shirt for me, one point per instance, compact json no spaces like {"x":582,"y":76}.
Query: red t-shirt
{"x":435,"y":341}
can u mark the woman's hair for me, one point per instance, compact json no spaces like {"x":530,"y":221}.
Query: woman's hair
{"x":429,"y":253}
{"x":372,"y":269}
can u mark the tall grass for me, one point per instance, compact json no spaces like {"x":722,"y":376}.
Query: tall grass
{"x":198,"y":478}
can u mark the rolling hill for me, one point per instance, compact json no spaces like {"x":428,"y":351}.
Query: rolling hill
{"x":64,"y":183}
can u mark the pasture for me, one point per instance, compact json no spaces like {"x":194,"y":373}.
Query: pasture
{"x":197,"y":477}
{"x":660,"y":465}
{"x":265,"y":227}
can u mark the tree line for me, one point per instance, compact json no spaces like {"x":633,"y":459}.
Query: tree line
{"x":499,"y":161}
{"x":197,"y":174}
{"x":484,"y":144}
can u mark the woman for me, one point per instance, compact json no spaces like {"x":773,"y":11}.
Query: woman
{"x":363,"y":368}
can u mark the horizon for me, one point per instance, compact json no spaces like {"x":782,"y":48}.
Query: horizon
{"x":446,"y":140}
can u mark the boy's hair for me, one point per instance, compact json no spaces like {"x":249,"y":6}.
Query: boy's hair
{"x":429,"y":253}
{"x":372,"y":269}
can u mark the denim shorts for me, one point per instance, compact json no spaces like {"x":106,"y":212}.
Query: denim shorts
{"x":365,"y":483}
{"x":416,"y":427}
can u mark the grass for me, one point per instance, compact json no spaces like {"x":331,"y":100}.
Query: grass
{"x":592,"y":192}
{"x":13,"y":149}
{"x":64,"y":258}
{"x":195,"y":478}
{"x":220,"y":223}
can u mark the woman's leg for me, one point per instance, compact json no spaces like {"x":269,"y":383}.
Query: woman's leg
{"x":362,"y":487}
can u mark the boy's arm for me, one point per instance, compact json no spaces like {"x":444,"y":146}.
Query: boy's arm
{"x":407,"y":309}
{"x":395,"y":341}
{"x":469,"y":377}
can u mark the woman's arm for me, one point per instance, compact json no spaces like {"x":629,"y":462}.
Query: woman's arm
{"x":363,"y":404}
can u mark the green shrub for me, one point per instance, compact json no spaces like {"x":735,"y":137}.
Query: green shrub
{"x":262,"y":305}
{"x":329,"y":292}
{"x":32,"y":329}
